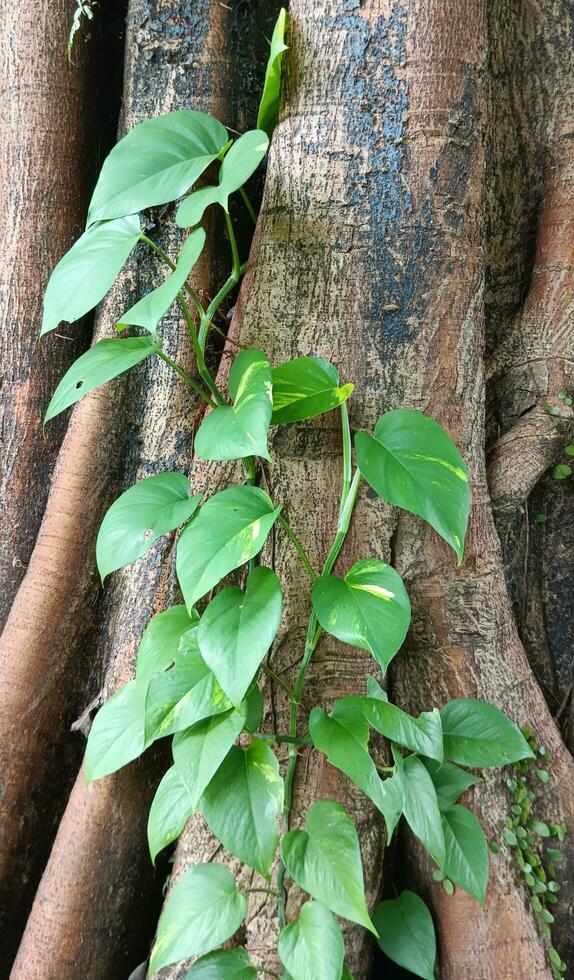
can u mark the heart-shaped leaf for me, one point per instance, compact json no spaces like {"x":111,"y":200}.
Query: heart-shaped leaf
{"x":239,"y":163}
{"x":86,"y":272}
{"x":269,"y":105}
{"x":230,"y":528}
{"x":237,"y":630}
{"x":477,"y":734}
{"x":406,"y":933}
{"x":170,"y":809}
{"x":411,"y":462}
{"x":102,"y":362}
{"x":466,"y":861}
{"x":160,"y":642}
{"x":304,"y":388}
{"x":140,"y":516}
{"x":181,"y":697}
{"x":312,"y":948}
{"x":325,"y":860}
{"x":199,"y":751}
{"x":420,"y":806}
{"x":449,"y":781}
{"x":369,"y":608}
{"x":240,"y":430}
{"x":156,"y":163}
{"x":242,"y":802}
{"x":422,"y":734}
{"x":343,"y":736}
{"x":223,"y":964}
{"x":149,"y":310}
{"x":203,"y":911}
{"x":117,"y":733}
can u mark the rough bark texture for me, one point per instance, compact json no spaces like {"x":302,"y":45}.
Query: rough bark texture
{"x":93,"y":910}
{"x":47,"y":163}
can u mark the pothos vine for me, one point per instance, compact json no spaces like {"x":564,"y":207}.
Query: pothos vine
{"x":198,"y":674}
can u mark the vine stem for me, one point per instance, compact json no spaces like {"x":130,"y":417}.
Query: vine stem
{"x":298,"y":547}
{"x":348,"y":498}
{"x":187,"y":378}
{"x":248,"y":205}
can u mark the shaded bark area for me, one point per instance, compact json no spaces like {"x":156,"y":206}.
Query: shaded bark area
{"x":97,"y":902}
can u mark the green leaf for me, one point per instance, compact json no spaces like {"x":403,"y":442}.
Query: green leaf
{"x":238,"y":628}
{"x":312,"y":948}
{"x":269,"y":105}
{"x":466,"y":861}
{"x":239,"y":163}
{"x":423,"y":734}
{"x":369,"y":608}
{"x":406,"y":933}
{"x":199,"y":751}
{"x":478,"y":735}
{"x":149,"y":310}
{"x":242,"y":802}
{"x":240,"y":430}
{"x":181,"y":697}
{"x":161,"y":640}
{"x":117,"y":733}
{"x":343,"y":736}
{"x":156,"y":162}
{"x":420,"y":806}
{"x":203,"y":911}
{"x":170,"y":809}
{"x":230,"y":528}
{"x":561,"y":471}
{"x":102,"y":362}
{"x":325,"y":860}
{"x":140,"y":516}
{"x":86,"y":272}
{"x":412,"y":463}
{"x":223,"y":964}
{"x":449,"y":781}
{"x":304,"y":388}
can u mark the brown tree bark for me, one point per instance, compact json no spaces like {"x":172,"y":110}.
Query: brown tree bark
{"x":94,"y":908}
{"x":47,"y":164}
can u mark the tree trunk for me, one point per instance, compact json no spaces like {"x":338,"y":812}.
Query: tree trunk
{"x":93,"y":912}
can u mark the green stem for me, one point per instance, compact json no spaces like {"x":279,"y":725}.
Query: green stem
{"x":248,"y":205}
{"x":216,"y":302}
{"x":187,"y":378}
{"x":298,"y":547}
{"x":277,"y":680}
{"x":347,"y":449}
{"x":233,"y":243}
{"x":266,"y":891}
{"x":283,"y":739}
{"x":165,"y":258}
{"x":199,"y":354}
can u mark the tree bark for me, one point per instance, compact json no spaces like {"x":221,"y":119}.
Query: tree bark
{"x":94,"y":909}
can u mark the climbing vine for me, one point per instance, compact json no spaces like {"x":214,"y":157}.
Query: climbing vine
{"x":201,"y":664}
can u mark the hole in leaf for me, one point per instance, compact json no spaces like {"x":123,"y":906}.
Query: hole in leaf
{"x":79,"y":384}
{"x":148,"y":533}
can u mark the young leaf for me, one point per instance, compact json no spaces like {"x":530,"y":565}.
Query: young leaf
{"x":478,"y":735}
{"x":325,"y":860}
{"x":156,"y":163}
{"x":161,"y":640}
{"x":422,"y":734}
{"x":238,"y":628}
{"x":117,"y":733}
{"x":304,"y":388}
{"x":86,"y":272}
{"x":312,"y":948}
{"x":449,"y":781}
{"x":420,"y":807}
{"x":149,"y":310}
{"x":343,"y":736}
{"x":406,"y":933}
{"x":102,"y":362}
{"x":140,"y":516}
{"x":242,"y":802}
{"x":369,"y":608}
{"x":199,"y":751}
{"x":466,"y":862}
{"x":239,"y":163}
{"x":230,"y":529}
{"x":203,"y":911}
{"x":179,"y":698}
{"x":170,"y":809}
{"x":411,"y":462}
{"x":240,"y":430}
{"x":269,"y":105}
{"x":223,"y":964}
